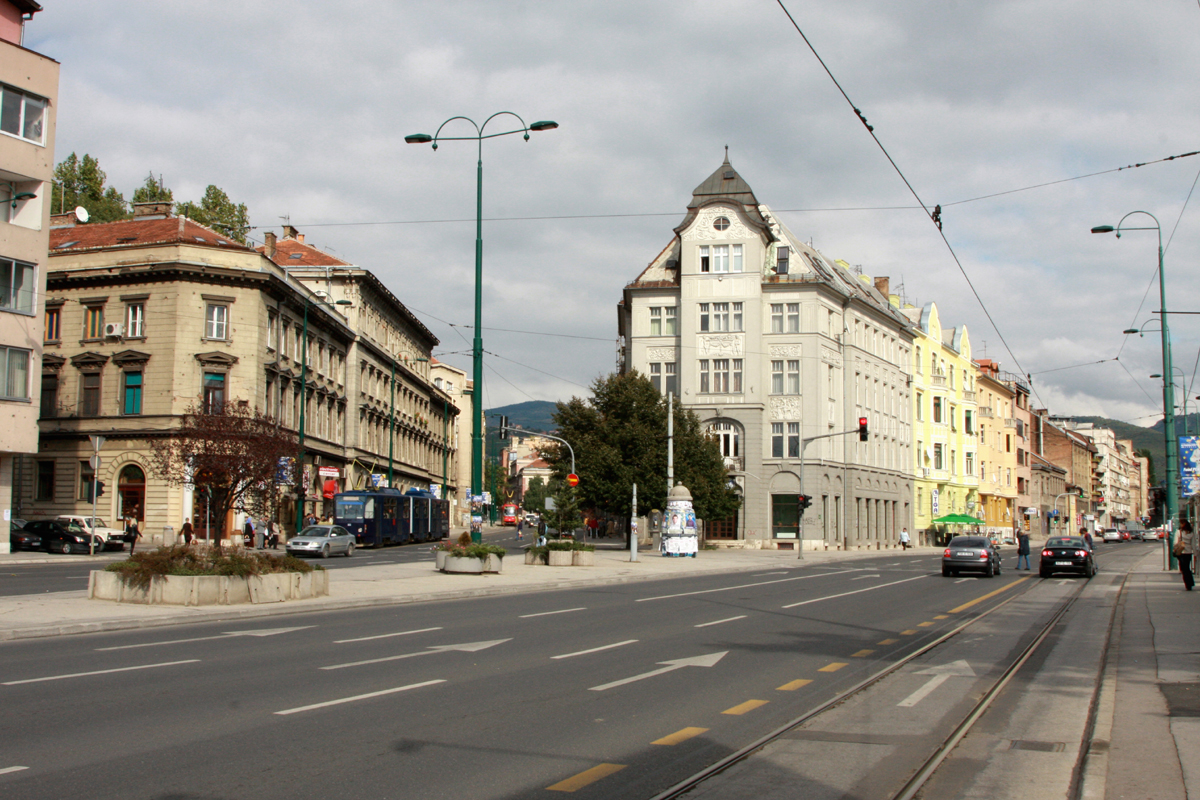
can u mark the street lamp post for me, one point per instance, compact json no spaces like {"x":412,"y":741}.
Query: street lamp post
{"x":1172,"y":472}
{"x":477,"y":345}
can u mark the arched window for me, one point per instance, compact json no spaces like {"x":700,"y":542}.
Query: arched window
{"x":728,"y":435}
{"x":131,"y":493}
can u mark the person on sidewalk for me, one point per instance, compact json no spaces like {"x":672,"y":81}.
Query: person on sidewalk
{"x":132,"y":534}
{"x":904,"y":538}
{"x":248,"y":532}
{"x":1185,"y":548}
{"x":1023,"y":549}
{"x":187,"y":533}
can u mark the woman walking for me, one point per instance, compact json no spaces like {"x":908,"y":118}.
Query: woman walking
{"x":1184,"y":549}
{"x":1023,"y":550}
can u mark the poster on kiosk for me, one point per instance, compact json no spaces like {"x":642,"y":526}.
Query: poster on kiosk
{"x":679,"y":525}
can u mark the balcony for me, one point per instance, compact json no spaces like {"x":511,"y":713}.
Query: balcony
{"x":986,"y":411}
{"x":1010,"y":423}
{"x":968,"y":395}
{"x":938,"y":380}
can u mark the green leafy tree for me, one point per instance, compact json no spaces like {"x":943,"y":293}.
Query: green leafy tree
{"x":80,"y":182}
{"x":535,"y":496}
{"x":566,"y":516}
{"x":218,"y":212}
{"x":153,"y":191}
{"x":620,"y":438}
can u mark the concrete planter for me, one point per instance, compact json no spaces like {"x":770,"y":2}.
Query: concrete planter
{"x":210,"y":590}
{"x":440,"y":556}
{"x":561,"y":558}
{"x":583,"y":558}
{"x":532,"y":558}
{"x":474,"y":566}
{"x":494,"y":563}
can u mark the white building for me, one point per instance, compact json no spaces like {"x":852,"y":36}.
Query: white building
{"x":772,"y":343}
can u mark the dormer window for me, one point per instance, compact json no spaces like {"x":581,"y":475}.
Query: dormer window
{"x":782,"y":256}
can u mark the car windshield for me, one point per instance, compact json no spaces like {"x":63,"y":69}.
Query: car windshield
{"x":1064,"y":541}
{"x":316,"y":530}
{"x":968,"y":541}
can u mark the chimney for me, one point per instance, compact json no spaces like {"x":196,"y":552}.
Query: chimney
{"x":300,"y":238}
{"x":289,"y":232}
{"x":154,"y":210}
{"x":269,"y":244}
{"x":66,"y":220}
{"x":881,"y":285}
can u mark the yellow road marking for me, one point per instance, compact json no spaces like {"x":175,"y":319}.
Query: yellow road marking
{"x":889,"y":641}
{"x":908,"y":633}
{"x":965,"y":606}
{"x":680,"y":736}
{"x":861,"y":653}
{"x":742,"y":708}
{"x":585,"y":778}
{"x":834,"y":667}
{"x":942,"y":616}
{"x":794,"y":685}
{"x":924,"y":624}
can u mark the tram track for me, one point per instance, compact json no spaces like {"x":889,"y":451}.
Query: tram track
{"x":926,"y":770}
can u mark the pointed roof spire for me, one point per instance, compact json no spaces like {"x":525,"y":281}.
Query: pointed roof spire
{"x":724,"y":184}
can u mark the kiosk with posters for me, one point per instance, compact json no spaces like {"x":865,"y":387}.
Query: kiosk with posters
{"x":679,"y":524}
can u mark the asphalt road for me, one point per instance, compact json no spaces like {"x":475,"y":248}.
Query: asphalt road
{"x":608,"y":691}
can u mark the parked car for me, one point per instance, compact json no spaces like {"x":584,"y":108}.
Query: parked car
{"x":16,"y":524}
{"x":59,"y":538}
{"x":1067,"y":554}
{"x":321,"y":540}
{"x":1126,"y":536}
{"x":113,"y":538}
{"x":971,"y":554}
{"x":1112,"y":535}
{"x":19,"y":539}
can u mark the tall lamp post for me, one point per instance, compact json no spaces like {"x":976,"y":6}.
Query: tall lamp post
{"x":477,"y":346}
{"x":1172,"y":455}
{"x":302,"y":493}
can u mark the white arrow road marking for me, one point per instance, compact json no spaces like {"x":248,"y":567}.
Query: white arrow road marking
{"x":964,"y":580}
{"x":6,"y":770}
{"x":101,"y":672}
{"x":861,"y":577}
{"x":470,"y":647}
{"x":384,"y":636}
{"x":227,"y":635}
{"x":941,"y":674}
{"x":679,"y":663}
{"x":328,"y":703}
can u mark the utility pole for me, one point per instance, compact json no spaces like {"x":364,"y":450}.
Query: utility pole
{"x":633,"y":528}
{"x":97,"y":443}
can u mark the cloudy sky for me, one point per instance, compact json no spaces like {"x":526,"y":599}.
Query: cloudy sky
{"x":300,"y":109}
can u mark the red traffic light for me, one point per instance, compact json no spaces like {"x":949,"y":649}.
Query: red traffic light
{"x":572,"y":480}
{"x":862,"y":429}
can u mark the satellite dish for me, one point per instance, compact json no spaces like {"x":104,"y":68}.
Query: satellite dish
{"x":81,"y":213}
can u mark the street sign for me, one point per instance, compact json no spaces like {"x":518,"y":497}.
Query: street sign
{"x":94,"y":462}
{"x":572,"y":480}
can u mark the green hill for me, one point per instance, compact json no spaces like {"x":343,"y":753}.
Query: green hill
{"x":534,"y":415}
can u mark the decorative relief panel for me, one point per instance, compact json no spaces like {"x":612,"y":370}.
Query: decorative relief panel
{"x":702,"y":229}
{"x":660,"y":354}
{"x":717,"y":345}
{"x":831,"y":357}
{"x":786,"y":408}
{"x":786,"y":350}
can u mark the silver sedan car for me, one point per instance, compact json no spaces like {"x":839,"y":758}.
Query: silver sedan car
{"x":322,"y":540}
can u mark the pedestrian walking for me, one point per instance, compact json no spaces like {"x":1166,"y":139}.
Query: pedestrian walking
{"x":520,"y":527}
{"x":132,"y":534}
{"x":186,"y":530}
{"x":1023,"y":549}
{"x":1087,"y":537}
{"x":273,"y":534}
{"x":248,"y":531}
{"x":904,"y":538}
{"x":1185,"y":548}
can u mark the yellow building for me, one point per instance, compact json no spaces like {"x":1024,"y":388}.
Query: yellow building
{"x":944,"y":424}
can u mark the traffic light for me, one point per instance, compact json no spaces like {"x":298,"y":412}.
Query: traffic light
{"x":503,"y":427}
{"x":99,"y":488}
{"x":803,"y":501}
{"x":862,"y":429}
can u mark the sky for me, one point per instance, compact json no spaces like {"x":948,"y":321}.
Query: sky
{"x":300,"y":109}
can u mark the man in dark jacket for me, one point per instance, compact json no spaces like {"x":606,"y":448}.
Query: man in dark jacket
{"x":1023,"y":549}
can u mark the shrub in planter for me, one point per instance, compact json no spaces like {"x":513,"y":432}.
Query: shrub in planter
{"x":536,"y":555}
{"x":141,"y":568}
{"x":474,"y":558}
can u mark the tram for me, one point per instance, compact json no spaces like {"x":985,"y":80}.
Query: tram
{"x":508,"y":514}
{"x":388,"y":516}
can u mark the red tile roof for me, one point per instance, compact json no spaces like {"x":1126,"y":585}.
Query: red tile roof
{"x":137,"y":233}
{"x":292,"y":253}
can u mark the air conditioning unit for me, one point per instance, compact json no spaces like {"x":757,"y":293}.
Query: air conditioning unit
{"x":113,"y":330}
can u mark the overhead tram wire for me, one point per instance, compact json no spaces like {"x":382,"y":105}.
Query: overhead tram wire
{"x":913,"y":191}
{"x":535,"y":369}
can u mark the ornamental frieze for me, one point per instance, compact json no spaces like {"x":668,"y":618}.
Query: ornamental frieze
{"x":660,"y":354}
{"x":786,"y":351}
{"x":786,"y":408}
{"x":728,"y":344}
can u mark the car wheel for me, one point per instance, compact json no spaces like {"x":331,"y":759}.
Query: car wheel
{"x":945,"y":572}
{"x":989,"y":572}
{"x":349,"y":549}
{"x":1044,"y":573}
{"x":65,"y":548}
{"x":325,"y":551}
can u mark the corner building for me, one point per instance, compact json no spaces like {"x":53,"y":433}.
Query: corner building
{"x":772,"y":343}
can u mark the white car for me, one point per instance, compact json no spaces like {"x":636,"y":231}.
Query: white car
{"x":321,"y":540}
{"x":1112,"y":535}
{"x":113,"y":538}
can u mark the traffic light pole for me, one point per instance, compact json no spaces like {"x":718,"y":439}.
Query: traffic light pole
{"x":803,"y":500}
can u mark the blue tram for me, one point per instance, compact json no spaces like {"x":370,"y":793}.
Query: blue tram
{"x":387,"y":516}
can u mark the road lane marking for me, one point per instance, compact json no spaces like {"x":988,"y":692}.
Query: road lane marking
{"x":889,"y":641}
{"x":678,"y":663}
{"x":384,"y":636}
{"x":964,"y":580}
{"x":595,"y":649}
{"x":746,"y":585}
{"x":585,"y":778}
{"x":864,"y":577}
{"x":924,"y":624}
{"x":923,"y":692}
{"x":856,"y":591}
{"x":680,"y":736}
{"x":470,"y":647}
{"x":6,"y":770}
{"x":861,"y":654}
{"x":792,"y":686}
{"x":834,"y":667}
{"x":718,"y":622}
{"x":101,"y":672}
{"x":226,"y":635}
{"x":942,"y":616}
{"x":765,"y":574}
{"x":548,"y":613}
{"x":965,"y":606}
{"x":742,"y":708}
{"x":941,"y":673}
{"x":367,"y":696}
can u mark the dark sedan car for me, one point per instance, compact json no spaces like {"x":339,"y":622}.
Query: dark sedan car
{"x":19,"y":539}
{"x":58,"y":538}
{"x":1067,"y":554}
{"x":971,"y":554}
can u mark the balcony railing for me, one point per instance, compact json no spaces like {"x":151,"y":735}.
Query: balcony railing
{"x":986,"y":411}
{"x":735,"y":463}
{"x":968,"y":395}
{"x":938,"y":380}
{"x":1010,"y":423}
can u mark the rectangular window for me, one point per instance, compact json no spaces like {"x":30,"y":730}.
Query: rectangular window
{"x":920,"y":407}
{"x":135,"y":320}
{"x":89,"y":400}
{"x":87,"y":478}
{"x":720,"y":317}
{"x":776,"y":440}
{"x":704,"y":376}
{"x":737,"y":376}
{"x":920,"y":368}
{"x":785,"y":516}
{"x":968,"y":421}
{"x":22,"y":114}
{"x":656,"y":376}
{"x":53,"y":328}
{"x":736,"y":264}
{"x":937,"y":409}
{"x":49,"y":396}
{"x":285,"y":330}
{"x":705,"y":265}
{"x":720,"y":384}
{"x":669,"y":327}
{"x":656,"y":322}
{"x":44,"y":489}
{"x":793,"y":376}
{"x":777,"y":377}
{"x":704,"y":317}
{"x":737,"y":317}
{"x":93,"y":322}
{"x":672,"y":380}
{"x":720,"y":258}
{"x":214,"y":392}
{"x":782,"y":257}
{"x":938,"y":456}
{"x":776,"y":317}
{"x":14,"y":381}
{"x":969,"y":466}
{"x":216,"y":321}
{"x":793,"y":439}
{"x":793,"y":317}
{"x":132,"y":403}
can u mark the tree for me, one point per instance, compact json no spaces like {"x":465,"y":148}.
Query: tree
{"x":565,"y":517}
{"x":620,"y":438}
{"x":232,"y":455}
{"x":534,"y":499}
{"x":218,"y":212}
{"x":153,"y":191}
{"x":80,"y":182}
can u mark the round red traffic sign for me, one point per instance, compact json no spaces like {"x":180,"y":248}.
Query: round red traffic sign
{"x":572,"y":480}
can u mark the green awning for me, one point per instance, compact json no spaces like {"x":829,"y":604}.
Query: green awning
{"x":957,"y":519}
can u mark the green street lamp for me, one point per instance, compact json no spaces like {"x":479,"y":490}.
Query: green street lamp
{"x":302,"y":492}
{"x":477,"y":346}
{"x":1172,"y":455}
